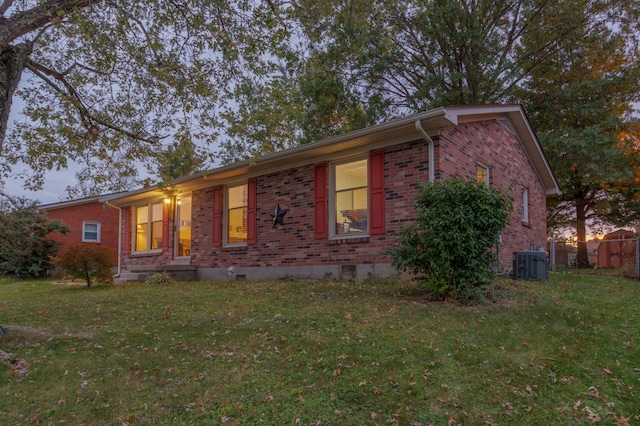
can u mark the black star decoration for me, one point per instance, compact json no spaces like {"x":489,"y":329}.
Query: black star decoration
{"x":278,"y":216}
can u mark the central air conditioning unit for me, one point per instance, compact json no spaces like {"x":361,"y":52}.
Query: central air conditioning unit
{"x":530,"y":265}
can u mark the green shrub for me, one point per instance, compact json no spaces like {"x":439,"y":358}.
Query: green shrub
{"x":88,"y":262}
{"x":448,"y":248}
{"x":25,"y":250}
{"x":160,"y":278}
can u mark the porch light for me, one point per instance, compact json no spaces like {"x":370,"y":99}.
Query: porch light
{"x":167,"y":200}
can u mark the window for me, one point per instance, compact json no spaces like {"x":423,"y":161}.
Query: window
{"x":148,"y":224}
{"x":482,"y":174}
{"x":236,"y":212}
{"x":351,"y":201}
{"x":90,"y":232}
{"x":525,"y":205}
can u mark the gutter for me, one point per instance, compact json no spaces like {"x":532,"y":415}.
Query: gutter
{"x":108,"y":204}
{"x":432,"y":161}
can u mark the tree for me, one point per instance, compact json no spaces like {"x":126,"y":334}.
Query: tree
{"x":572,"y":63}
{"x":448,"y":248}
{"x":88,"y":262}
{"x":419,"y":55}
{"x":579,"y":100}
{"x":120,"y":80}
{"x":25,"y":249}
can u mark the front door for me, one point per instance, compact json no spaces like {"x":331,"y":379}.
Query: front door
{"x":183,"y":228}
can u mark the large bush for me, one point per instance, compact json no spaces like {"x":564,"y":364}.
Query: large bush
{"x":449,"y":247}
{"x":88,"y":262}
{"x":25,"y":250}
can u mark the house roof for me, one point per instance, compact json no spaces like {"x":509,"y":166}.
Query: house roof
{"x":80,"y":201}
{"x":363,"y":140}
{"x":63,"y":204}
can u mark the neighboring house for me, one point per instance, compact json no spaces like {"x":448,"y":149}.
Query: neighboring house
{"x":345,"y":198}
{"x":89,"y":221}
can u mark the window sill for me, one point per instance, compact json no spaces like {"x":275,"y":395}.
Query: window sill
{"x":235,"y":247}
{"x":526,"y":224}
{"x":351,"y":239}
{"x":147,"y":253}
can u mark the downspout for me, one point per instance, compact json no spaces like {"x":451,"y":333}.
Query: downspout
{"x":119,"y":237}
{"x":432,"y":161}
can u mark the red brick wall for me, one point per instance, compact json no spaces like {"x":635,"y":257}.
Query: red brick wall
{"x":457,"y":151}
{"x":74,"y":215}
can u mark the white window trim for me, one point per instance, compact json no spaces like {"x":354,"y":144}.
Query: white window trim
{"x":485,"y":168}
{"x":524,"y":207}
{"x":134,"y":223}
{"x":98,"y":231}
{"x":332,"y":201}
{"x":225,"y":216}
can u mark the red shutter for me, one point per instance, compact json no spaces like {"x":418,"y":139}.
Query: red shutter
{"x":165,"y":226}
{"x":376,"y":193}
{"x":252,"y":218}
{"x":321,"y":201}
{"x":126,"y":226}
{"x":217,"y":216}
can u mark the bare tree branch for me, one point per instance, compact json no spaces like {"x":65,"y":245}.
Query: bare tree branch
{"x":5,"y":6}
{"x":29,"y":20}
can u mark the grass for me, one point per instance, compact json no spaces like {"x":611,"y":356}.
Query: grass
{"x":309,"y":353}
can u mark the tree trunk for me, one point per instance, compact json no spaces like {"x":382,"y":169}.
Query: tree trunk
{"x":581,"y":231}
{"x":13,"y":57}
{"x":12,"y":61}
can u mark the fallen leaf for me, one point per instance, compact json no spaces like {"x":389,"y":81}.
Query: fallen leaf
{"x":621,"y":421}
{"x":606,"y":370}
{"x":576,"y":405}
{"x":594,"y":392}
{"x":267,"y":399}
{"x":592,"y":415}
{"x":374,"y":415}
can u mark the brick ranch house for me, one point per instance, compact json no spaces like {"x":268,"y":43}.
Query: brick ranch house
{"x":89,"y":222}
{"x":345,"y":197}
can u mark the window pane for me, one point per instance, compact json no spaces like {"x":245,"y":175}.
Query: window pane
{"x":482,"y":175}
{"x":351,"y":175}
{"x":237,"y":196}
{"x":237,"y":230}
{"x":141,"y":236}
{"x":156,"y":235}
{"x":156,"y":212}
{"x":142,"y":214}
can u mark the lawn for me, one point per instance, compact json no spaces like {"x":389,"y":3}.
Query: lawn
{"x":320,"y":353}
